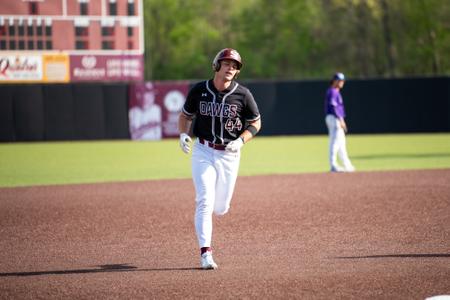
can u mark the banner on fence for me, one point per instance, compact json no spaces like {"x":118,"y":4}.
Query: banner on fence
{"x":154,"y":109}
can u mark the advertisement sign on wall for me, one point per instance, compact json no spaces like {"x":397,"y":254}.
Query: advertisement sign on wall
{"x":62,"y":67}
{"x":154,"y":109}
{"x":55,"y":67}
{"x":17,"y":68}
{"x":106,"y":68}
{"x":20,"y":68}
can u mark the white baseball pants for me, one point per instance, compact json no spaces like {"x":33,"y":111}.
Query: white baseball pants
{"x":214,"y":173}
{"x":337,"y":144}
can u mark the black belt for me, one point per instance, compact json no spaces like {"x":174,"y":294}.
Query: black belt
{"x":211,"y":145}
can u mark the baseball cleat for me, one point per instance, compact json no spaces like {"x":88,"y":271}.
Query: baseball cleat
{"x":350,"y":169}
{"x":207,"y":261}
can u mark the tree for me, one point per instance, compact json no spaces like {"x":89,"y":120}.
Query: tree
{"x":298,"y":39}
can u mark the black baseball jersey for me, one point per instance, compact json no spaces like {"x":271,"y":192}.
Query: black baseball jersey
{"x":220,"y":117}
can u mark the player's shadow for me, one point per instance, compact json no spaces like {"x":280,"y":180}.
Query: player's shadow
{"x":97,"y":269}
{"x":426,"y":255}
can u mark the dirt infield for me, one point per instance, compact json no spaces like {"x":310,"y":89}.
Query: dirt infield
{"x":365,"y":235}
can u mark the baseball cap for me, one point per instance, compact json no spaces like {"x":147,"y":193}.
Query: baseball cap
{"x":339,"y":76}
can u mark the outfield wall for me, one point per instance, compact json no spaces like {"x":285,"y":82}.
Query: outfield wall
{"x":38,"y":112}
{"x":52,"y":112}
{"x":372,"y":106}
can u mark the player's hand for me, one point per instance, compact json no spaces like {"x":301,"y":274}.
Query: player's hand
{"x":343,"y":125}
{"x":235,"y":146}
{"x":185,"y":142}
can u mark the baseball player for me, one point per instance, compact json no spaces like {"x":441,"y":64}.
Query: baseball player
{"x":224,"y":116}
{"x":335,"y":114}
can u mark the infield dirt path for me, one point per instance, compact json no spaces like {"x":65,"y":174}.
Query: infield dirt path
{"x":365,"y":235}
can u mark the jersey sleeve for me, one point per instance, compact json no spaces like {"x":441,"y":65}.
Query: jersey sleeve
{"x":190,"y":107}
{"x":338,"y":105}
{"x":333,"y":102}
{"x":332,"y":98}
{"x":251,"y":111}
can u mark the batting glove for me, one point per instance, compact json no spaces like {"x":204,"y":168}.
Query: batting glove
{"x":235,"y":146}
{"x":185,"y":143}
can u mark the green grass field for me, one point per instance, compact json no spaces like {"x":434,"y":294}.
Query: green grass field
{"x":26,"y":164}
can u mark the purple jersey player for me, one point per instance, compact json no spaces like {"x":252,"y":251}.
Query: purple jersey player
{"x":334,"y":118}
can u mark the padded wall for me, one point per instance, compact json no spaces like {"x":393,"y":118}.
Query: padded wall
{"x":35,"y":112}
{"x":89,"y":112}
{"x":116,"y":111}
{"x":7,"y":132}
{"x":28,"y":109}
{"x":59,"y":112}
{"x":398,"y":105}
{"x":372,"y":106}
{"x":265,"y":95}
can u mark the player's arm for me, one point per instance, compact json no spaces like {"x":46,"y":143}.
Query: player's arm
{"x":251,"y":130}
{"x":184,"y":123}
{"x":253,"y":118}
{"x":333,"y":100}
{"x":343,"y":124}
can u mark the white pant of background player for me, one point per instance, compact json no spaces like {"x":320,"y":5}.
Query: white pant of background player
{"x":337,"y":145}
{"x":214,"y":173}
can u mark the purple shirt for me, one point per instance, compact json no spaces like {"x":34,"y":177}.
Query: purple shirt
{"x":334,"y":105}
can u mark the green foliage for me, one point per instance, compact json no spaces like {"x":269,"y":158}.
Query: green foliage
{"x":182,"y":37}
{"x":298,"y":39}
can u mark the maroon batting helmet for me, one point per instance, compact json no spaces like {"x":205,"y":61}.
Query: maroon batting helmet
{"x":227,"y":53}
